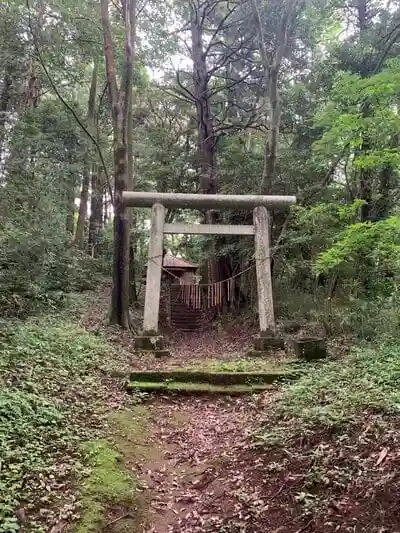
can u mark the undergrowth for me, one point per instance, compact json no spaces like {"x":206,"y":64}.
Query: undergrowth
{"x":242,"y":365}
{"x":107,"y":482}
{"x":339,"y":393}
{"x":51,"y":400}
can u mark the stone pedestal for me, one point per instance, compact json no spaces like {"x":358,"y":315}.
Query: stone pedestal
{"x":153,"y":344}
{"x":264,"y":344}
{"x":309,"y":348}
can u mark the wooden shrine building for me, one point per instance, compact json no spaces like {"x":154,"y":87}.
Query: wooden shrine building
{"x":179,"y":270}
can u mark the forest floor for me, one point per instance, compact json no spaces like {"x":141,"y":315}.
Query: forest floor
{"x":320,"y":455}
{"x":237,"y":465}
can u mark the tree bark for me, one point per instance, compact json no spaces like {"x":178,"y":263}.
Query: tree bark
{"x":70,"y":222}
{"x":206,"y":132}
{"x":120,"y":105}
{"x":271,"y":68}
{"x":131,"y":175}
{"x":5,"y":96}
{"x":96,"y":210}
{"x":206,"y":144}
{"x":83,"y":206}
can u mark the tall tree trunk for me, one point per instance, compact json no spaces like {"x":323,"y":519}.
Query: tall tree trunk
{"x":271,"y":68}
{"x":366,"y":175}
{"x":5,"y":96}
{"x":131,"y":171}
{"x":120,"y":103}
{"x":206,"y":131}
{"x":206,"y":145}
{"x":96,"y":210}
{"x":91,"y":120}
{"x":70,"y":222}
{"x":106,"y":213}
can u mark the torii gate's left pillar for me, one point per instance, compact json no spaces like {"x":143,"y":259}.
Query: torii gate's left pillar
{"x":150,"y":340}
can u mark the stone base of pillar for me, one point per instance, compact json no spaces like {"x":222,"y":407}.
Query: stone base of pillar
{"x":266,"y":343}
{"x":153,"y":344}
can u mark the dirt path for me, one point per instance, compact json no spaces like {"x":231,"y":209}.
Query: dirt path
{"x":203,"y":473}
{"x":194,"y":481}
{"x":199,"y":447}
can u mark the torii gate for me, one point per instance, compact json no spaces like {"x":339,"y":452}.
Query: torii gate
{"x":260,"y":230}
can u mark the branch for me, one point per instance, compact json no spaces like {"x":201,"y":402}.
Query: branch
{"x":227,"y":87}
{"x":328,"y":175}
{"x":102,"y":96}
{"x":190,"y":96}
{"x":176,"y":94}
{"x":225,"y":58}
{"x":260,"y":34}
{"x":218,"y":29}
{"x":65,"y":103}
{"x":385,"y":52}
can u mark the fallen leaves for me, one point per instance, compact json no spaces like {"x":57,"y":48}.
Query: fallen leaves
{"x":382,"y":456}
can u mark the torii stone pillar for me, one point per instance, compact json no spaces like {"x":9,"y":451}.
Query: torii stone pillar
{"x":154,"y":271}
{"x":263,"y":271}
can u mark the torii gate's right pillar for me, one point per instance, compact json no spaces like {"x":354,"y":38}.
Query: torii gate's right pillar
{"x":263,"y":271}
{"x":267,"y":338}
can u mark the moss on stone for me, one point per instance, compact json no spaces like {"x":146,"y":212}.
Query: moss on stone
{"x":242,"y":365}
{"x":212,"y":378}
{"x":149,"y":343}
{"x":108,"y":482}
{"x":265,"y":343}
{"x":111,"y":481}
{"x":196,"y":388}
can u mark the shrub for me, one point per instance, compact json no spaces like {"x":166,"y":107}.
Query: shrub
{"x":48,"y":390}
{"x":37,"y":268}
{"x":366,"y":256}
{"x":337,"y":393}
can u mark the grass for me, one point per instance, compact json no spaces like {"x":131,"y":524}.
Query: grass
{"x":108,"y":482}
{"x":242,"y":365}
{"x":52,"y":400}
{"x":130,"y":430}
{"x":335,"y":434}
{"x":339,"y":392}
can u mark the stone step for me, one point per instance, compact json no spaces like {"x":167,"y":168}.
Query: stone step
{"x":196,"y":388}
{"x":186,"y":319}
{"x":214,"y":378}
{"x":191,"y":327}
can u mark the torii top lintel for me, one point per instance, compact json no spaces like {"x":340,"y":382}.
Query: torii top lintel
{"x":204,"y":201}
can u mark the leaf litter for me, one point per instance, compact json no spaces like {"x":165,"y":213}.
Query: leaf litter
{"x":209,"y":473}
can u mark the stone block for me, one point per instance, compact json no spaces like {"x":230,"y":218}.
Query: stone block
{"x":268,"y":343}
{"x":258,"y":353}
{"x":309,"y":348}
{"x":292,"y":326}
{"x":162,"y":353}
{"x":149,"y":343}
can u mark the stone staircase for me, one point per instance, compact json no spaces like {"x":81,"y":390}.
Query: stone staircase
{"x":183,"y":317}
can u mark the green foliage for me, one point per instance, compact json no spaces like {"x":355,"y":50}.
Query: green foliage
{"x":38,"y":261}
{"x":313,"y":229}
{"x":47,"y":393}
{"x":347,"y":123}
{"x":338,"y":393}
{"x":38,"y":268}
{"x":368,"y":253}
